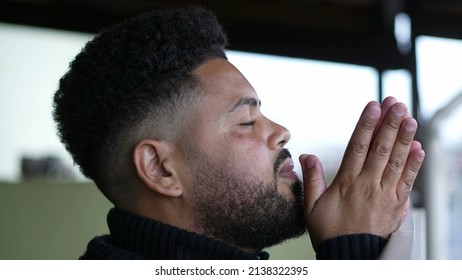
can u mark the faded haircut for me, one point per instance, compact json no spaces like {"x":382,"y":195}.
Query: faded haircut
{"x":130,"y":81}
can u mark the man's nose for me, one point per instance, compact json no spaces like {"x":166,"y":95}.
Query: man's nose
{"x":279,"y":136}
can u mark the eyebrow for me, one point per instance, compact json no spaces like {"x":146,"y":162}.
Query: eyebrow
{"x":251,"y":101}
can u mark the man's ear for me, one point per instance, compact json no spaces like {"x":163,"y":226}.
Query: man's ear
{"x":152,"y":158}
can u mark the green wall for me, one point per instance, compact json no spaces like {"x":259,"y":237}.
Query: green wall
{"x":56,"y":221}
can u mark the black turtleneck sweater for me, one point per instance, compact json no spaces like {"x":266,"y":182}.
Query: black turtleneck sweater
{"x":135,"y":237}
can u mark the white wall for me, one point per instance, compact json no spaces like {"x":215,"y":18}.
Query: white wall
{"x":31,"y":62}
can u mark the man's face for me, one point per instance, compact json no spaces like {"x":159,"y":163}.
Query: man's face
{"x":244,"y":189}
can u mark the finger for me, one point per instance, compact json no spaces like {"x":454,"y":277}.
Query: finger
{"x":384,"y":142}
{"x":358,"y":146}
{"x":399,"y":154}
{"x":386,"y":104}
{"x":313,"y":180}
{"x":411,"y":169}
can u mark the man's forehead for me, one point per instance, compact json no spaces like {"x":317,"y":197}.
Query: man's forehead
{"x":223,"y":80}
{"x":217,"y":68}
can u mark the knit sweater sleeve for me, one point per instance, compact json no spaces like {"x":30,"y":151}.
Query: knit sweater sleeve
{"x":351,"y":247}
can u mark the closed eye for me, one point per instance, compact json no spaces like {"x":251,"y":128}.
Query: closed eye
{"x":250,"y":123}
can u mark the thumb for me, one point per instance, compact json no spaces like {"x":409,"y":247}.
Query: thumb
{"x":313,"y":180}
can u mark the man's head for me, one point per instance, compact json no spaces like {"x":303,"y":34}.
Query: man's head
{"x":131,"y":82}
{"x":153,"y":112}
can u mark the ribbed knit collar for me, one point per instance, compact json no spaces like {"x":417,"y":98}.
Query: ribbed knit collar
{"x":150,"y":239}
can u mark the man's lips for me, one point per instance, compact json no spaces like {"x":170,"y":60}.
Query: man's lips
{"x":287,"y":169}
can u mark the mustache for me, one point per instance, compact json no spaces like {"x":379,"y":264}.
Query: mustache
{"x":283,"y":155}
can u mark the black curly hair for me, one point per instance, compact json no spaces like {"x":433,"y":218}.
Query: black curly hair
{"x":135,"y":74}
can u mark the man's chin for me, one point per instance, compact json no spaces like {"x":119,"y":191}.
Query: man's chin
{"x":290,"y":188}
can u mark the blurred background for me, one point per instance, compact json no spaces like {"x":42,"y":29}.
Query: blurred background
{"x":314,"y":64}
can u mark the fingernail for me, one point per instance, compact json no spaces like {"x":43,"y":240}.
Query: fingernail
{"x":373,"y":110}
{"x":308,"y":163}
{"x":391,"y":98}
{"x":410,"y":125}
{"x":421,"y":156}
{"x":400,"y":109}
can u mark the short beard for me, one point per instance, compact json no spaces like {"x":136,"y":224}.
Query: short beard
{"x":244,"y":213}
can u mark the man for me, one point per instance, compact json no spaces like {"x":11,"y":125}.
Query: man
{"x":172,"y":134}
